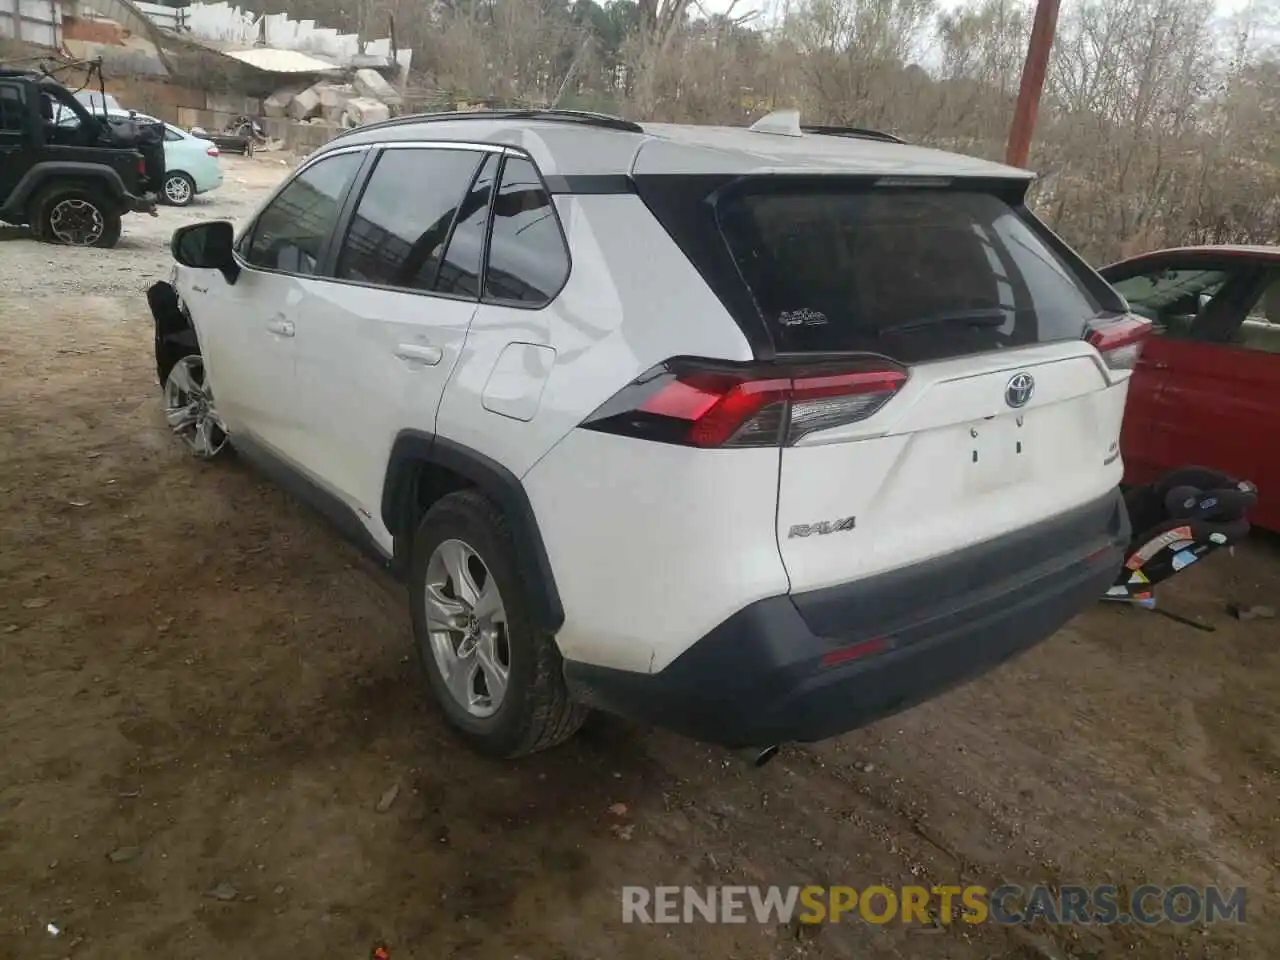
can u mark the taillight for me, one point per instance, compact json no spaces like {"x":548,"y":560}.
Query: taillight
{"x":142,"y":165}
{"x":707,"y":404}
{"x":1120,"y":341}
{"x":212,"y":151}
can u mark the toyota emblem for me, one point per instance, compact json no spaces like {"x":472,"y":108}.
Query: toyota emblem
{"x":1019,"y":390}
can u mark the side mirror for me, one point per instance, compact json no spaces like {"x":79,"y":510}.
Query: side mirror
{"x":207,"y":246}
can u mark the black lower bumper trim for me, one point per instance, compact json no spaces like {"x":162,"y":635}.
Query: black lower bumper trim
{"x":759,"y":678}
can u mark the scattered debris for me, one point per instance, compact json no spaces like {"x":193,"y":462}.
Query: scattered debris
{"x":623,"y":832}
{"x":305,"y":104}
{"x":124,"y":854}
{"x":223,"y":891}
{"x":53,"y":929}
{"x":373,"y":85}
{"x":1256,"y":612}
{"x":35,"y":603}
{"x":279,"y":890}
{"x":363,"y":110}
{"x":78,"y":503}
{"x":618,"y":809}
{"x":277,"y":106}
{"x":388,"y":798}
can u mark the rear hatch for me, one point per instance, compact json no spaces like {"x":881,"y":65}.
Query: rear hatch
{"x":956,"y":372}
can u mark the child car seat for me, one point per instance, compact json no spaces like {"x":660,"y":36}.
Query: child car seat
{"x":1187,"y":514}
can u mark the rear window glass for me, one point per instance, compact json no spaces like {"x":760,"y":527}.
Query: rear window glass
{"x":916,"y":274}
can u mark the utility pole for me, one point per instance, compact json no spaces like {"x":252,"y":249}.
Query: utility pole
{"x":1033,"y":72}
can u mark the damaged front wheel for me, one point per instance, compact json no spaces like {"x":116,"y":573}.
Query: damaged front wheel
{"x":188,"y":406}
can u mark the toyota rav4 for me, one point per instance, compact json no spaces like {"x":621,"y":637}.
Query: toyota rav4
{"x":755,"y":434}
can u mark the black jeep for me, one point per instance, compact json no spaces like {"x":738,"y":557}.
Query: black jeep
{"x":69,"y":173}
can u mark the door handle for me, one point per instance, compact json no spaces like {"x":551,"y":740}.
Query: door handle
{"x":419,"y":353}
{"x":1160,"y":365}
{"x":283,"y":328}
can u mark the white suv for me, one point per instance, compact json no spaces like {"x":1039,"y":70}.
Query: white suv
{"x":756,"y":434}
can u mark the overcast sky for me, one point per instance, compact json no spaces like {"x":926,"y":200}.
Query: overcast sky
{"x":1225,"y":7}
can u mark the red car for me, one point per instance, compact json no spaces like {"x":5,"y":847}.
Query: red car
{"x":1206,"y":390}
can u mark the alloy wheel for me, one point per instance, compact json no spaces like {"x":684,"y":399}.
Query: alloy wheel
{"x":467,"y":625}
{"x":177,"y":190}
{"x":188,"y":406}
{"x":76,"y":222}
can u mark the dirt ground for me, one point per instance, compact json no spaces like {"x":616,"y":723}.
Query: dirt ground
{"x":205,"y":695}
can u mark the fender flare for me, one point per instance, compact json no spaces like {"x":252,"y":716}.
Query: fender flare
{"x":413,"y":448}
{"x":40,"y":173}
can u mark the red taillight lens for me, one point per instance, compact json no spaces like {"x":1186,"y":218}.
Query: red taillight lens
{"x":142,"y":165}
{"x":212,"y":151}
{"x":1120,"y":341}
{"x":705,"y":404}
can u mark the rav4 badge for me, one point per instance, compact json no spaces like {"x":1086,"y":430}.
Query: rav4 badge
{"x":822,"y":528}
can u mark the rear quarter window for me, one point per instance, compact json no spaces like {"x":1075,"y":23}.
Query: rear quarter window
{"x":917,"y":274}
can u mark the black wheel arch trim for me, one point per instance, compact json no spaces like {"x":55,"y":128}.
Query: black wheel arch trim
{"x":413,"y":448}
{"x":175,"y":336}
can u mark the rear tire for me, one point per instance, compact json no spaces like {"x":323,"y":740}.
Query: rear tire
{"x":534,"y":711}
{"x":76,"y":215}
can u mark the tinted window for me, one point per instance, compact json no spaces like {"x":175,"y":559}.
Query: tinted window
{"x":1173,"y":298}
{"x":528,"y":262}
{"x":460,"y":271}
{"x":172,"y":135}
{"x":917,"y":274}
{"x":1261,"y":328}
{"x":400,"y":227}
{"x":291,"y":231}
{"x":11,"y":109}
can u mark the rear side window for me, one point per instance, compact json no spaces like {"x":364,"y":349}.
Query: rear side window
{"x":528,"y":262}
{"x":460,"y":270}
{"x":916,"y":274}
{"x":398,"y":234}
{"x":11,"y":108}
{"x":291,"y":231}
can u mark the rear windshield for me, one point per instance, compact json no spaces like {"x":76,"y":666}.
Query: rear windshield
{"x":917,"y":274}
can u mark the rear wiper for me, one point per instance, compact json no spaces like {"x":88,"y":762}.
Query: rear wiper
{"x":971,"y":318}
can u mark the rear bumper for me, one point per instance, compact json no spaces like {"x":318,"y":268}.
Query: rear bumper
{"x":889,"y":642}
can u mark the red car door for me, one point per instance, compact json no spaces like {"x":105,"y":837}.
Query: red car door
{"x":1207,"y":390}
{"x":1145,"y":441}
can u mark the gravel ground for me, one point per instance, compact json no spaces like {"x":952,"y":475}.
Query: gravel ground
{"x":215,"y":743}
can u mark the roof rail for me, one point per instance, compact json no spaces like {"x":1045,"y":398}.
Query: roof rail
{"x":584,"y":117}
{"x":858,"y":132}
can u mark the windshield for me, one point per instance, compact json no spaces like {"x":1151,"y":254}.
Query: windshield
{"x":918,"y":274}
